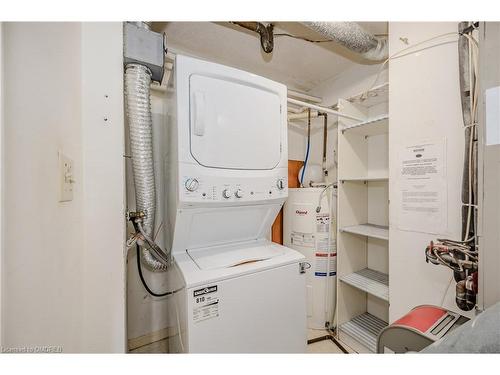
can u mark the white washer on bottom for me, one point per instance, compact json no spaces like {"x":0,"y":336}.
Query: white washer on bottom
{"x":247,"y":298}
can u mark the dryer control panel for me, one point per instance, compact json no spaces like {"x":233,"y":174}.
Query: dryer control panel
{"x":198,"y":188}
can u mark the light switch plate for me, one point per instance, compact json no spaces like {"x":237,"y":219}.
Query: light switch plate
{"x":66,"y":180}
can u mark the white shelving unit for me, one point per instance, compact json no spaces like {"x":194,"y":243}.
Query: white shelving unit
{"x":363,"y":219}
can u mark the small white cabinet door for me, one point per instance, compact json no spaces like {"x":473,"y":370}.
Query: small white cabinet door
{"x":234,"y":124}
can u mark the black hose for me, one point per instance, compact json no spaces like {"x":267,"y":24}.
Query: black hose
{"x":139,"y":268}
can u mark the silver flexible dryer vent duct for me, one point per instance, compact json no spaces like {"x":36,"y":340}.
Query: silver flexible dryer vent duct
{"x":137,"y":91}
{"x":353,"y":37}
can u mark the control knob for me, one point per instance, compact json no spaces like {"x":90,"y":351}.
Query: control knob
{"x":226,"y":193}
{"x":239,"y":193}
{"x":191,"y":184}
{"x":280,"y":184}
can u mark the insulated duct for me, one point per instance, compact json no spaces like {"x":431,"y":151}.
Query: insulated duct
{"x":353,"y":37}
{"x":137,"y":91}
{"x":144,"y":60}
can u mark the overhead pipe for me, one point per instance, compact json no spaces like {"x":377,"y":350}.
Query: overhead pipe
{"x":291,"y":109}
{"x":353,"y":37}
{"x":265,"y":32}
{"x":302,"y":115}
{"x":322,"y":109}
{"x":306,"y":97}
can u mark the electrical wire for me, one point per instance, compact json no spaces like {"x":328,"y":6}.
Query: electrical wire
{"x":473,"y":77}
{"x":396,"y":54}
{"x":304,"y":38}
{"x":313,"y":40}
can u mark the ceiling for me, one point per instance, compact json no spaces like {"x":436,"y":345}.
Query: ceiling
{"x":299,"y":64}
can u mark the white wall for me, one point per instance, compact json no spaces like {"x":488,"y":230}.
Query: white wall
{"x":489,"y":174}
{"x":424,"y":103}
{"x":1,"y":177}
{"x":104,"y":273}
{"x":63,"y":265}
{"x":43,"y":245}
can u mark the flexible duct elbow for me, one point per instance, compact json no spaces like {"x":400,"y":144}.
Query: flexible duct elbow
{"x":137,"y":92}
{"x":353,"y":37}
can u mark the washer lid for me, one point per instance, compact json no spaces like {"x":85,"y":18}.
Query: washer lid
{"x":230,"y":256}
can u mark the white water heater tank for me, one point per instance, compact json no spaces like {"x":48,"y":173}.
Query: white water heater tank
{"x":306,"y":230}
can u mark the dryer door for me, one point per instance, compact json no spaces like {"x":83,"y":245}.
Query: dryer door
{"x":234,"y":124}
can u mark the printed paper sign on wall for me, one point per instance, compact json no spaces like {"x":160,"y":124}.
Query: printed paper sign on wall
{"x":422,"y":187}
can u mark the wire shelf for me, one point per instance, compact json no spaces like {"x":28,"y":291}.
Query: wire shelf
{"x":370,"y":281}
{"x":365,"y":329}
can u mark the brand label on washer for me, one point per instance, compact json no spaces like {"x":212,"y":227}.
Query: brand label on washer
{"x":202,"y":291}
{"x":205,"y":303}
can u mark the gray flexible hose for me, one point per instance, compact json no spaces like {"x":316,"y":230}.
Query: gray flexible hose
{"x":353,"y":37}
{"x":137,"y":93}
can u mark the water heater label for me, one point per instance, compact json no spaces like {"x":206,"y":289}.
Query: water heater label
{"x":322,"y":223}
{"x":321,"y":264}
{"x":206,"y":304}
{"x":322,"y":244}
{"x":302,"y":239}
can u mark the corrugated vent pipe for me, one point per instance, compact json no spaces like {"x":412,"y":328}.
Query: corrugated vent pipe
{"x":137,"y":92}
{"x":353,"y":37}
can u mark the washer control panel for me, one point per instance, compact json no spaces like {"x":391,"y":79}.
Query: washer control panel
{"x":218,"y":189}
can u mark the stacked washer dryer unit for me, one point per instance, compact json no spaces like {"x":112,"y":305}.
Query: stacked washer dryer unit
{"x":239,"y":292}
